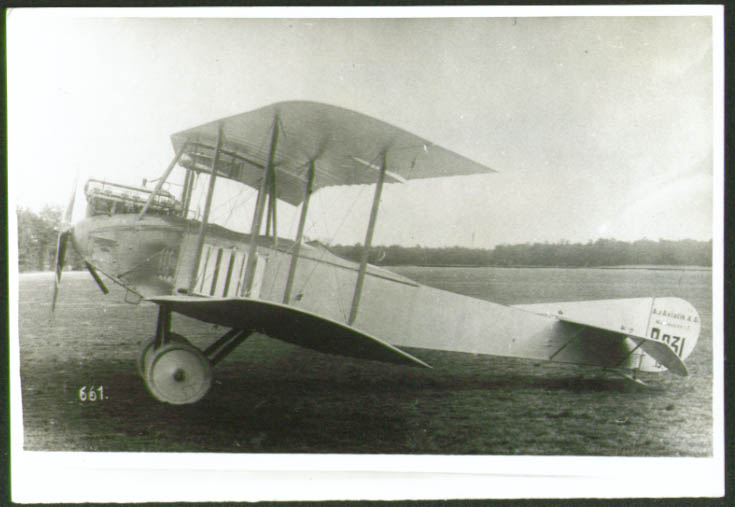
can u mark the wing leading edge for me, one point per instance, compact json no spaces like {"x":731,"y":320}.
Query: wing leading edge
{"x":289,"y":324}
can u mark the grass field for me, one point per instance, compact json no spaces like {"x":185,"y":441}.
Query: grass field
{"x":272,"y":397}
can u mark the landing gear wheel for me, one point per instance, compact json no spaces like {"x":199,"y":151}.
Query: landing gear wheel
{"x":177,"y":373}
{"x":143,"y":355}
{"x":148,"y":345}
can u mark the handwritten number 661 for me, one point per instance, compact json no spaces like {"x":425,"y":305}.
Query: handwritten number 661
{"x":91,"y":393}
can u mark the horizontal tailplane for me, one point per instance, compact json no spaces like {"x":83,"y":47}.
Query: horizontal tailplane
{"x":665,"y":329}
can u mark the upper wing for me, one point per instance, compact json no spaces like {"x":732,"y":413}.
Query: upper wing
{"x":289,"y":324}
{"x":666,"y":328}
{"x":345,"y":146}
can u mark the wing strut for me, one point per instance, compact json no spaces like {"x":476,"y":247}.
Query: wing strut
{"x":205,"y":217}
{"x":368,"y":241}
{"x":299,"y":234}
{"x":258,"y":213}
{"x":185,"y":192}
{"x":162,"y":180}
{"x":189,"y":189}
{"x":270,"y":222}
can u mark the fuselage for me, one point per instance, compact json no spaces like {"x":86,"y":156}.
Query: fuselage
{"x":161,"y":253}
{"x":154,"y":255}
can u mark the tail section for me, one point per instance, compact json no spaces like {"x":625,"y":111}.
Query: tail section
{"x":660,"y":332}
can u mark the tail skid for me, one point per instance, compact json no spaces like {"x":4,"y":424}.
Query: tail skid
{"x":627,"y":376}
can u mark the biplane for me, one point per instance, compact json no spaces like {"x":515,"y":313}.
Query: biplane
{"x":147,"y":241}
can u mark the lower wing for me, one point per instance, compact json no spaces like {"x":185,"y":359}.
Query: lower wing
{"x":289,"y":324}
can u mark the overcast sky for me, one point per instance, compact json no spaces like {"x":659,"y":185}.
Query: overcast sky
{"x":597,"y":126}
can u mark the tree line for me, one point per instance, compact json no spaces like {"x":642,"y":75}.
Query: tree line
{"x":38,"y":232}
{"x":37,"y":236}
{"x":602,"y":252}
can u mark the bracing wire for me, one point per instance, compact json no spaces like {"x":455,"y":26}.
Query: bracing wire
{"x":232,"y":202}
{"x":290,"y":249}
{"x":331,"y":238}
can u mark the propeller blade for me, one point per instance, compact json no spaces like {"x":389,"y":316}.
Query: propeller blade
{"x":70,"y":205}
{"x":64,"y":233}
{"x":60,"y":254}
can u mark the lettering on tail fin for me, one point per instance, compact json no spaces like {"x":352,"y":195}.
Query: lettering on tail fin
{"x":676,"y":323}
{"x":675,"y":343}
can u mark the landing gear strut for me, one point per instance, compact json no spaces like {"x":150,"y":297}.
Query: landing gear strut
{"x":174,"y":370}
